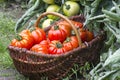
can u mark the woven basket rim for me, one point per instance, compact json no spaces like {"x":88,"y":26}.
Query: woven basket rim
{"x":42,"y":54}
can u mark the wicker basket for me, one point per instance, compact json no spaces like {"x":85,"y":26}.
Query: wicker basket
{"x":55,"y":67}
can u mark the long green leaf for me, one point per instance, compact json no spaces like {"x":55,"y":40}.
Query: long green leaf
{"x":113,"y":59}
{"x":29,"y":14}
{"x":112,"y":15}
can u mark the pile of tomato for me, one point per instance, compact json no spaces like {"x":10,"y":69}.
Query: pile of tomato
{"x":60,"y":38}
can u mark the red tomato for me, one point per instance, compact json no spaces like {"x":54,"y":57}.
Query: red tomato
{"x":86,"y":35}
{"x":56,"y":33}
{"x":71,"y":43}
{"x":83,"y":34}
{"x":45,"y":42}
{"x":38,"y":35}
{"x":39,"y":48}
{"x":90,"y":36}
{"x":56,"y":47}
{"x":77,"y":24}
{"x":24,"y":40}
{"x":66,"y":28}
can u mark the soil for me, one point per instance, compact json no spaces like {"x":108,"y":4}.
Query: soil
{"x":13,"y":10}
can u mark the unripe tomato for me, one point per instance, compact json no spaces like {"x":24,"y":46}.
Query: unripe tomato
{"x":49,"y":1}
{"x":52,"y":8}
{"x":71,"y":8}
{"x":46,"y":23}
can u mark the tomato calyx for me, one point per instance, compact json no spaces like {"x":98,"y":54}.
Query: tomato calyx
{"x":56,"y":27}
{"x":67,"y":6}
{"x":32,"y":29}
{"x":73,"y":33}
{"x":59,"y":45}
{"x":18,"y":37}
{"x":68,"y":39}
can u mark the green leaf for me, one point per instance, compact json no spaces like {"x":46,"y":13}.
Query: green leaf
{"x":111,"y":15}
{"x":116,"y":7}
{"x":113,"y":59}
{"x":29,"y":14}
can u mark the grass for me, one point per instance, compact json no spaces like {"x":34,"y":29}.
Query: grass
{"x":6,"y":35}
{"x":6,"y":32}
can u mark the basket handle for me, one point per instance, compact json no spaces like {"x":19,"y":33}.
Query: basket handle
{"x":63,"y":17}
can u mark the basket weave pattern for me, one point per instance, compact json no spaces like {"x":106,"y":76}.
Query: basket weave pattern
{"x":55,"y":67}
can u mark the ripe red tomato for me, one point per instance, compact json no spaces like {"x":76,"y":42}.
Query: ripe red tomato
{"x":56,"y":47}
{"x":71,"y":43}
{"x":77,"y":24}
{"x":24,"y":40}
{"x":67,"y":28}
{"x":45,"y":42}
{"x":39,"y":48}
{"x":86,"y":35}
{"x":83,"y":34}
{"x":38,"y":35}
{"x":90,"y":36}
{"x":56,"y":33}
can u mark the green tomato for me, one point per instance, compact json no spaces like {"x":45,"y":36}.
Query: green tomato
{"x":71,"y":8}
{"x":52,"y":8}
{"x":49,"y":1}
{"x":46,"y":23}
